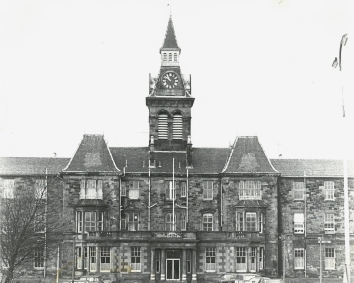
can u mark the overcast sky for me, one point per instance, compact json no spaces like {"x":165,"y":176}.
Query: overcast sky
{"x":259,"y":67}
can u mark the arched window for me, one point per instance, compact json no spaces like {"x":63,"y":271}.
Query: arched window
{"x":177,"y":126}
{"x":162,"y":126}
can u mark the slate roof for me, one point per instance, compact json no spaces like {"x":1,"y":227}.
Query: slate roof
{"x":31,"y":165}
{"x":312,"y":167}
{"x":170,"y":37}
{"x":247,"y":156}
{"x":93,"y":155}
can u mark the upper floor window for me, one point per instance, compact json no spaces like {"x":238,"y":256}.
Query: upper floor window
{"x":329,"y":190}
{"x":183,"y":222}
{"x":169,"y":223}
{"x":299,"y":259}
{"x":177,"y":126}
{"x":9,"y":187}
{"x":210,"y":259}
{"x":40,"y":189}
{"x":208,"y":187}
{"x":298,"y":190}
{"x":207,"y":222}
{"x":38,"y":258}
{"x":330,"y":260}
{"x":91,"y":189}
{"x":162,"y":127}
{"x":123,"y":190}
{"x":133,"y":221}
{"x":249,"y":221}
{"x":134,"y":190}
{"x":299,"y":223}
{"x":171,"y":191}
{"x":329,"y":223}
{"x":183,"y":188}
{"x":89,"y":221}
{"x":250,"y":190}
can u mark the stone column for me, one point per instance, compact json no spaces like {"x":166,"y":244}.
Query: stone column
{"x":163,"y":264}
{"x":194,"y":265}
{"x":184,"y":265}
{"x":152,"y":264}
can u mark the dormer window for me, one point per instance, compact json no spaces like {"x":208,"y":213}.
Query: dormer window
{"x":91,"y":189}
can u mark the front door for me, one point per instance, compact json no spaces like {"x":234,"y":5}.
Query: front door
{"x":173,"y":264}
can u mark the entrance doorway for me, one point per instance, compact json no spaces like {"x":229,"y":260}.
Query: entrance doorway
{"x":172,"y":264}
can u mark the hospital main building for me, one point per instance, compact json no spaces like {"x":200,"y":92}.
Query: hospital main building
{"x":169,"y":211}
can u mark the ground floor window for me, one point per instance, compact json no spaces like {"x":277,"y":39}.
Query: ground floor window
{"x":38,"y":258}
{"x":105,"y":259}
{"x":253,"y":259}
{"x":241,"y":265}
{"x":135,"y":259}
{"x":299,"y":259}
{"x":210,"y":259}
{"x":330,"y":260}
{"x":189,"y":261}
{"x":261,"y":258}
{"x":158,"y":261}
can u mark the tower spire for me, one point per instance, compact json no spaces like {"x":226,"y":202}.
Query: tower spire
{"x":170,"y":42}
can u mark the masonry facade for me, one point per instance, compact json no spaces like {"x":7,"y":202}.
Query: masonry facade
{"x":169,"y":211}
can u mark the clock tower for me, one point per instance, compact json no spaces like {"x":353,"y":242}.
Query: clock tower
{"x":170,"y":100}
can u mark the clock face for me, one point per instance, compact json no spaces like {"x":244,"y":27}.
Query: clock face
{"x":170,"y":80}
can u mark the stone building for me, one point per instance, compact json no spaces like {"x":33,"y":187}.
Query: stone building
{"x":171,"y":211}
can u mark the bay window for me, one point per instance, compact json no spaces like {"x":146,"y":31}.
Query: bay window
{"x":89,"y":221}
{"x":249,"y":221}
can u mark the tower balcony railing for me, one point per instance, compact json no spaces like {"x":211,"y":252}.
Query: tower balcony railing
{"x":230,"y":235}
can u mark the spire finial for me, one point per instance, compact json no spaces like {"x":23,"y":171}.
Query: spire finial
{"x":170,"y":9}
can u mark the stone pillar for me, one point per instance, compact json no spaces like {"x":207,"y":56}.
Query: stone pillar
{"x":184,"y":265}
{"x":152,"y":264}
{"x":163,"y":264}
{"x":194,"y":265}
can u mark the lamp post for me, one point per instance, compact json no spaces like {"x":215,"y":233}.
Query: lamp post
{"x":345,"y":171}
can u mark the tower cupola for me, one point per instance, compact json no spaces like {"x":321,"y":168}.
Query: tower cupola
{"x":170,"y":51}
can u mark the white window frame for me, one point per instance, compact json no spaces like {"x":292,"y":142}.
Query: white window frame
{"x":9,"y":187}
{"x":134,"y":190}
{"x":329,"y":190}
{"x":249,"y":217}
{"x":329,"y":223}
{"x":105,"y":255}
{"x":132,"y":221}
{"x":330,"y":261}
{"x":169,"y":222}
{"x":241,"y":255}
{"x":210,"y":259}
{"x":208,"y":219}
{"x":183,"y":188}
{"x":171,"y":191}
{"x":123,"y":189}
{"x":183,"y":222}
{"x":299,"y":223}
{"x":91,"y":192}
{"x":208,"y":190}
{"x":298,"y":190}
{"x":261,"y":258}
{"x":299,"y":258}
{"x":250,"y":189}
{"x":135,"y":253}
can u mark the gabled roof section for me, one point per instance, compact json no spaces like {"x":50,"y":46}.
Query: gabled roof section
{"x":247,"y":156}
{"x":170,"y":41}
{"x":92,"y":155}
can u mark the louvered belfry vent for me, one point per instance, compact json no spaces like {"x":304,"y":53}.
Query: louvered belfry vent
{"x":163,"y":126}
{"x":177,"y":126}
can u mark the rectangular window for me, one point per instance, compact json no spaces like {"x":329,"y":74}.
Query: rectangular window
{"x":175,"y":57}
{"x":93,"y":259}
{"x":239,"y":221}
{"x":100,"y":221}
{"x":251,"y":221}
{"x":90,"y":221}
{"x":79,"y":221}
{"x":86,"y":259}
{"x":329,"y":223}
{"x":164,"y":58}
{"x":329,"y":190}
{"x":210,"y":259}
{"x":299,"y":259}
{"x":299,"y":224}
{"x":169,"y":222}
{"x":261,"y":222}
{"x":183,"y":188}
{"x":40,"y":191}
{"x":189,"y":261}
{"x":330,"y":260}
{"x":207,"y":222}
{"x":261,"y":258}
{"x":9,"y":187}
{"x":123,"y":191}
{"x":105,"y":259}
{"x":253,"y":263}
{"x":250,"y":190}
{"x":133,"y":221}
{"x":99,"y":189}
{"x":78,"y":258}
{"x":208,"y":190}
{"x":241,"y":263}
{"x":183,"y":222}
{"x":169,"y":57}
{"x":135,"y":259}
{"x":38,"y":258}
{"x":171,"y":191}
{"x":91,"y":189}
{"x":134,"y":190}
{"x":299,"y":190}
{"x":82,"y":189}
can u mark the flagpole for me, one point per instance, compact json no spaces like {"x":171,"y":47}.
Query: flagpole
{"x":173,"y":195}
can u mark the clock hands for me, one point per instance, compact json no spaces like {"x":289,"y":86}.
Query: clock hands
{"x":167,"y":77}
